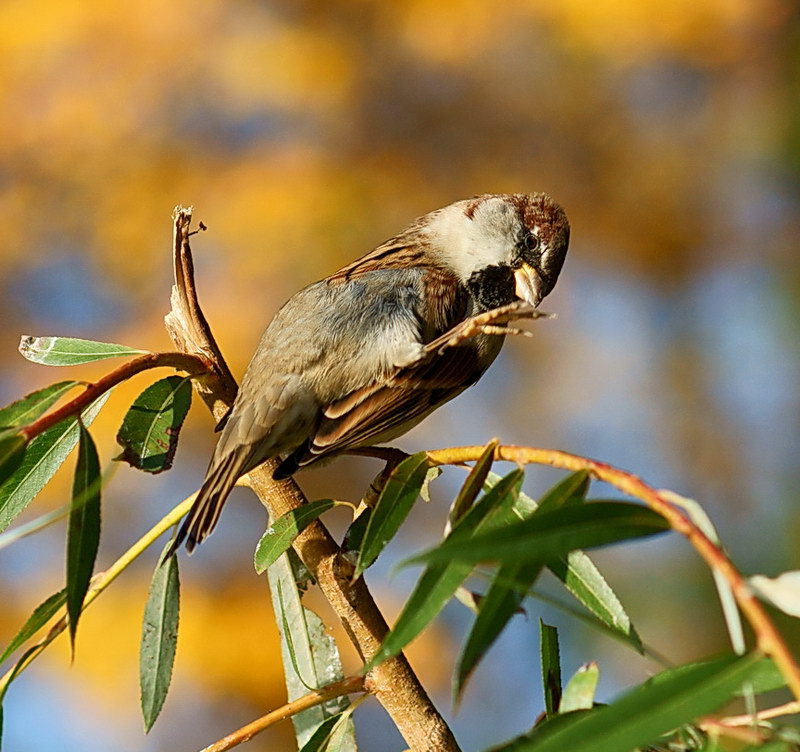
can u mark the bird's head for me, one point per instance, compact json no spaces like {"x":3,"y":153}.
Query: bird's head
{"x":502,"y":246}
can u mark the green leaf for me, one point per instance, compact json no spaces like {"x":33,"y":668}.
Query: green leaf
{"x":309,"y":653}
{"x":324,"y":738}
{"x":641,"y":716}
{"x":393,"y":505}
{"x":580,"y":689}
{"x":508,"y":589}
{"x":159,"y":637}
{"x":279,"y":536}
{"x":33,"y":405}
{"x":354,"y":537}
{"x":149,"y":432}
{"x":766,"y":678}
{"x":551,"y":535}
{"x":512,"y":581}
{"x":582,"y":578}
{"x":439,"y":582}
{"x":44,"y":455}
{"x":571,"y":490}
{"x":474,"y":483}
{"x":551,"y":667}
{"x":584,"y":581}
{"x":66,"y":351}
{"x":83,"y":531}
{"x":40,"y":616}
{"x":12,"y":452}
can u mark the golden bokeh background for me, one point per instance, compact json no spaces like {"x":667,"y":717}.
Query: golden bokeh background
{"x":304,"y":133}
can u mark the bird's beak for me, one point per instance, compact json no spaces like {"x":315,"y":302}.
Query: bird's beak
{"x":529,"y":285}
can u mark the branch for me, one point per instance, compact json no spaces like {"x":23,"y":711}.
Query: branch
{"x":748,"y":719}
{"x":769,"y":640}
{"x":99,"y":583}
{"x":187,"y":325}
{"x":192,"y":364}
{"x":317,"y":697}
{"x":393,"y":682}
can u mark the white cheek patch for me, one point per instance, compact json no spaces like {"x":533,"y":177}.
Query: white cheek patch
{"x":487,"y":239}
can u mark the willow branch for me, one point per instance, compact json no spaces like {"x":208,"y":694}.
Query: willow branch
{"x":393,"y":682}
{"x":768,"y":639}
{"x":789,"y":708}
{"x":347,"y":686}
{"x":99,"y":583}
{"x":192,"y":364}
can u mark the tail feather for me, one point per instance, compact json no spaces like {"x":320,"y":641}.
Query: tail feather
{"x":203,"y":516}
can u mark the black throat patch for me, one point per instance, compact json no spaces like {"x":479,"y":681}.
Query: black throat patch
{"x":492,"y":286}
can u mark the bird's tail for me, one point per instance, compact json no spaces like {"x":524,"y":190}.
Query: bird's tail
{"x":202,"y":518}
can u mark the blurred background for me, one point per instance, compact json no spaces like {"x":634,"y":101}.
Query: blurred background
{"x":304,"y":133}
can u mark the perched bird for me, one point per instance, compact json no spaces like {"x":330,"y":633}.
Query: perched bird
{"x":342,"y":365}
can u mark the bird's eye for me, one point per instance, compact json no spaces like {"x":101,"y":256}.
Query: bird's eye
{"x":531,"y":242}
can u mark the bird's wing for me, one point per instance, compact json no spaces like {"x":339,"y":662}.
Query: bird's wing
{"x":403,"y":398}
{"x":391,"y":404}
{"x":381,"y":411}
{"x":400,"y":252}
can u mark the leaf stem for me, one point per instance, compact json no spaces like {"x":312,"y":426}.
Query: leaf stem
{"x":768,"y":639}
{"x":192,"y":364}
{"x":100,"y":582}
{"x":346,"y":686}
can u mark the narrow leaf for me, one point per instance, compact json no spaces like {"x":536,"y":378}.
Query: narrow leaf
{"x":641,"y":716}
{"x":159,"y":638}
{"x":551,"y":535}
{"x":766,"y":678}
{"x":44,"y":455}
{"x":279,"y":536}
{"x":336,"y":734}
{"x":474,"y":483}
{"x":580,"y":689}
{"x":313,"y":658}
{"x":12,"y":452}
{"x":83,"y":531}
{"x":584,"y":581}
{"x":393,"y":505}
{"x":66,"y":351}
{"x":440,"y":581}
{"x":354,"y":537}
{"x":149,"y":432}
{"x":40,"y":616}
{"x":508,"y":589}
{"x":322,"y":738}
{"x":551,"y":667}
{"x":512,"y":581}
{"x":33,"y":405}
{"x":571,"y":490}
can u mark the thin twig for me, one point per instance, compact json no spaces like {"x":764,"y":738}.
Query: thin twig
{"x":192,"y":364}
{"x":100,"y":582}
{"x":788,"y":708}
{"x":769,"y":640}
{"x":347,"y":686}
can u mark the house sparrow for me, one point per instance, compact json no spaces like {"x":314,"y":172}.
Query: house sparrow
{"x":342,"y":365}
